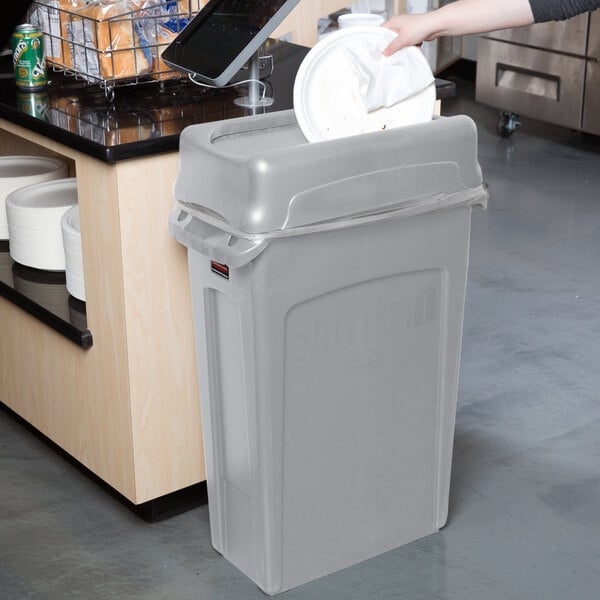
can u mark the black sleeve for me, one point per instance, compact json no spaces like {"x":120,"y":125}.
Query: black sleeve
{"x":558,"y":10}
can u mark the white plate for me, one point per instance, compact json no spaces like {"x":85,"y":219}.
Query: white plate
{"x":327,"y":97}
{"x":20,"y":171}
{"x":71,"y":232}
{"x":34,"y":216}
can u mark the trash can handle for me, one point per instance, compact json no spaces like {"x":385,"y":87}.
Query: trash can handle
{"x":216,"y":244}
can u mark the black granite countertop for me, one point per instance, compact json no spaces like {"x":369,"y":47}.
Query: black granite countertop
{"x":142,"y":119}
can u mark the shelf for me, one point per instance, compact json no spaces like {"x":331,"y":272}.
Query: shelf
{"x":43,"y":294}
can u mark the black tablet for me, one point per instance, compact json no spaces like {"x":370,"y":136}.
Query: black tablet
{"x":224,"y":35}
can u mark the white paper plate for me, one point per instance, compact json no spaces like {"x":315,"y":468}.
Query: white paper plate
{"x":34,"y":216}
{"x":327,"y":98}
{"x":71,"y":232}
{"x":20,"y":171}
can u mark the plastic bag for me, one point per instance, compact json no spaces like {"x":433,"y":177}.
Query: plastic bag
{"x":52,"y":17}
{"x":107,"y":42}
{"x":389,"y":79}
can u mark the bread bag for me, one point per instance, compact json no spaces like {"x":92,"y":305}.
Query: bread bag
{"x":108,"y":43}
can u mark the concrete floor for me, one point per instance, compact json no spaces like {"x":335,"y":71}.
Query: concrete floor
{"x":525,"y":497}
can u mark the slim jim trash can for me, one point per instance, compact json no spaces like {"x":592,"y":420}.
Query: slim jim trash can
{"x":328,"y":285}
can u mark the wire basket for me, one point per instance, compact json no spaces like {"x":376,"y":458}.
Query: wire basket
{"x":112,"y":42}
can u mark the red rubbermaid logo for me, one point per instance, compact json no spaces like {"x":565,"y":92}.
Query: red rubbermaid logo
{"x":219,"y":269}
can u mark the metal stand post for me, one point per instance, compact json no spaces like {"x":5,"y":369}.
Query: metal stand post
{"x":254,"y":99}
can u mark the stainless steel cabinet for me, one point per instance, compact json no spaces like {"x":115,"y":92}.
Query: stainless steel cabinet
{"x":591,"y":101}
{"x":548,"y":71}
{"x":561,"y":36}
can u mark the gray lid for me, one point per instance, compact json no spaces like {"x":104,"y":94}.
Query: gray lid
{"x":259,"y":177}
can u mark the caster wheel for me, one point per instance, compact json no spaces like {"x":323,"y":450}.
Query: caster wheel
{"x":507,"y":124}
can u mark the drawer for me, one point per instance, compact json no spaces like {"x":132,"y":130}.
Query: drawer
{"x":591,"y":103}
{"x":534,"y":83}
{"x":562,"y":36}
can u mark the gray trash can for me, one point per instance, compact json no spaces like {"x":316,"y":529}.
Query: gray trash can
{"x":328,"y":285}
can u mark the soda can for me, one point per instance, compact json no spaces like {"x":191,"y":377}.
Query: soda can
{"x":36,"y":104}
{"x":28,"y":58}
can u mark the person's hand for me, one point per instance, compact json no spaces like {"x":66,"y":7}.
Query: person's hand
{"x":463,"y":17}
{"x":411,"y":30}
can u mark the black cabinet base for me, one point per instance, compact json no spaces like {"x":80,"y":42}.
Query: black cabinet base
{"x":152,"y":511}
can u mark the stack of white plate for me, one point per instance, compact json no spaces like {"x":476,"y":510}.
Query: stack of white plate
{"x":20,"y":171}
{"x":71,"y":232}
{"x":34,"y":216}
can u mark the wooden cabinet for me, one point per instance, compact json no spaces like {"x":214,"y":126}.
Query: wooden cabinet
{"x":128,"y":407}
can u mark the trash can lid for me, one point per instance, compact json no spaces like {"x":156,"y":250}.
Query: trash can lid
{"x":258,"y":177}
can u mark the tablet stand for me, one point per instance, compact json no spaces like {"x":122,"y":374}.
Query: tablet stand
{"x":254,"y":99}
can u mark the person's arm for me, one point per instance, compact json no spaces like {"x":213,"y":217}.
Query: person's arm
{"x":462,"y":17}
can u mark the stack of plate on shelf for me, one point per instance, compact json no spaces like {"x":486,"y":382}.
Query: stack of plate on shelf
{"x":20,"y":171}
{"x":71,"y":232}
{"x":34,"y":216}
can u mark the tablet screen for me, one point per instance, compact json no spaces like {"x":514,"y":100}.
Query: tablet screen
{"x":224,"y":32}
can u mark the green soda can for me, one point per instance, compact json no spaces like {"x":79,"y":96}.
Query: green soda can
{"x":28,"y":58}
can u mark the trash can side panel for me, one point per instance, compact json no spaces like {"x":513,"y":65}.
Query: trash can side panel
{"x":226,"y":372}
{"x":226,"y":399}
{"x":458,"y":254}
{"x":210,"y":433}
